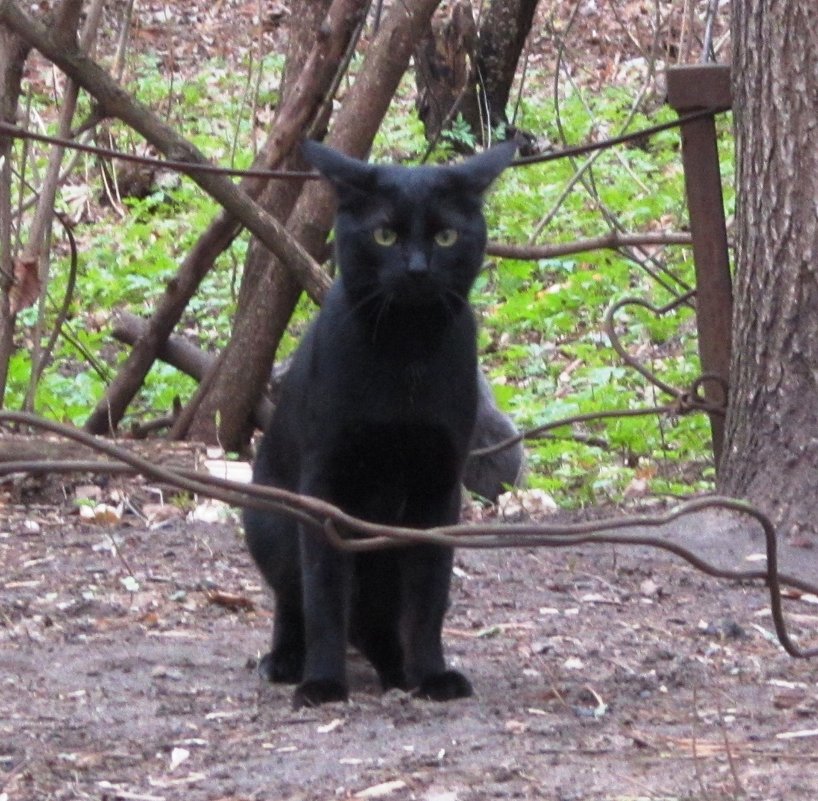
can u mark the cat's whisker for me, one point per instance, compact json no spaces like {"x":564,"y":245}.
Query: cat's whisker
{"x":363,"y":301}
{"x":383,"y":310}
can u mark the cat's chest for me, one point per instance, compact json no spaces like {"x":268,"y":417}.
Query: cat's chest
{"x":415,"y":380}
{"x":363,"y":384}
{"x":388,"y":390}
{"x":356,"y":374}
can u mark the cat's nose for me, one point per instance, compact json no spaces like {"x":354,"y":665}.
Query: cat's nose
{"x":418,"y":264}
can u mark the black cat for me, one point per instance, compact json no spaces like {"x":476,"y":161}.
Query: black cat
{"x":376,"y":415}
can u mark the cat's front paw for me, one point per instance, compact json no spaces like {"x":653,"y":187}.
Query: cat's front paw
{"x":444,"y":686}
{"x":319,"y":691}
{"x":281,"y":667}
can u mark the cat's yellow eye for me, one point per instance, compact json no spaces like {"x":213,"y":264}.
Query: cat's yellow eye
{"x":386,"y":237}
{"x":446,"y":237}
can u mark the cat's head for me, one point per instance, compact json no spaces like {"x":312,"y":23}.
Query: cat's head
{"x":409,"y":236}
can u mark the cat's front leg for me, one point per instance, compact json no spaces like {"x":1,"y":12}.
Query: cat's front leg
{"x":425,"y":591}
{"x":326,"y":580}
{"x":273,"y":542}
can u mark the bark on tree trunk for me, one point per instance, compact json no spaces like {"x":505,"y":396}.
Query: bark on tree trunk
{"x":771,"y":450}
{"x":444,"y":74}
{"x":503,"y":31}
{"x":246,"y":362}
{"x":13,"y":52}
{"x":461,"y":70}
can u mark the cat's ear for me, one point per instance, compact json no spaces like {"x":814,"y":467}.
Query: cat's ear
{"x":342,"y":171}
{"x":477,"y":172}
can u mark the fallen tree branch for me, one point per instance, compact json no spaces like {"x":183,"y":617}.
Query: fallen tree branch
{"x":177,"y":351}
{"x":182,"y":354}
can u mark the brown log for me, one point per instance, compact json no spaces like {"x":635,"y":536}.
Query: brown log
{"x":175,"y":351}
{"x":42,"y":447}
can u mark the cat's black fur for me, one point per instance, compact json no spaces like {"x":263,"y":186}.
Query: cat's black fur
{"x":376,"y":415}
{"x":491,"y":474}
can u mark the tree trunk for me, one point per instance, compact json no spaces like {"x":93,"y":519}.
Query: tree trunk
{"x":245,"y":364}
{"x":503,"y":31}
{"x":444,"y":74}
{"x":470,"y":73}
{"x":13,"y":52}
{"x":294,"y":113}
{"x":771,"y":452}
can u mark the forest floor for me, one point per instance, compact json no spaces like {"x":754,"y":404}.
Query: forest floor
{"x":128,"y":652}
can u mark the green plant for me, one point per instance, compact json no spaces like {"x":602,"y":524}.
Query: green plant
{"x":541,"y":337}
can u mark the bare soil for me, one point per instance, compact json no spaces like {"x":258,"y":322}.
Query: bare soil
{"x":128,"y":649}
{"x":127,"y":656}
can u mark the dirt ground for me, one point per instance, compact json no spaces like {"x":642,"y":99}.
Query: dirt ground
{"x":128,"y":651}
{"x":127,"y":655}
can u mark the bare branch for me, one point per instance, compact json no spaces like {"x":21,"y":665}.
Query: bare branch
{"x":13,"y":54}
{"x":37,"y":248}
{"x":115,"y":101}
{"x":66,"y":22}
{"x":298,"y":108}
{"x":610,"y":241}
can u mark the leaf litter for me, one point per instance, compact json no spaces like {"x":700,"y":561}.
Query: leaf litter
{"x":129,"y":672}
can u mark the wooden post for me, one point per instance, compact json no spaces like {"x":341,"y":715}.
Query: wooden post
{"x":691,"y":88}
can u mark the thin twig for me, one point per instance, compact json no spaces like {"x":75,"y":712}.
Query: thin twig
{"x":15,"y":132}
{"x":62,"y":315}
